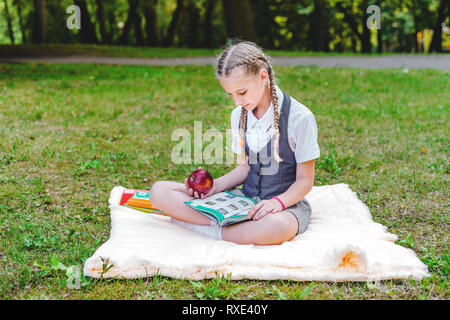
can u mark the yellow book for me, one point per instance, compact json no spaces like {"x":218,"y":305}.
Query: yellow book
{"x":141,"y":199}
{"x":146,"y":210}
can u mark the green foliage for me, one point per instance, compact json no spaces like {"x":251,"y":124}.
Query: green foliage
{"x":287,"y":24}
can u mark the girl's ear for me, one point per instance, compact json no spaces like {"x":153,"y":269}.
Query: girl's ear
{"x":263,"y":74}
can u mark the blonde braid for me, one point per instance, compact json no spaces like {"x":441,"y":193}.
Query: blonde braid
{"x":276,"y":114}
{"x":241,"y":159}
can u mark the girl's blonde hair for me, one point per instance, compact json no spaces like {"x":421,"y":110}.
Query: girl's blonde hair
{"x":249,"y":56}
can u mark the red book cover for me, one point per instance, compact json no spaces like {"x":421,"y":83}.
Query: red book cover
{"x":128,"y":193}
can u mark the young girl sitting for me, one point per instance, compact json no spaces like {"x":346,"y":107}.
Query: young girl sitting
{"x":277,"y":138}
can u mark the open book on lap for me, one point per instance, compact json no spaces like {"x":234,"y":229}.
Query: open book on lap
{"x":223,"y":207}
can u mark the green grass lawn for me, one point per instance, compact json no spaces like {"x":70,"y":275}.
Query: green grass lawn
{"x":70,"y":133}
{"x":142,"y":52}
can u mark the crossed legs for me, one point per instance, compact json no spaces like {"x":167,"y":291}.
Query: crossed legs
{"x":170,"y":196}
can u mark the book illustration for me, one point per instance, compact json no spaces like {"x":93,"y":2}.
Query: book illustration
{"x":232,"y":206}
{"x":245,"y":204}
{"x":223,"y":211}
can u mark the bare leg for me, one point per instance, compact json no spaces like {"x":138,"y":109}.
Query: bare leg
{"x":273,"y":228}
{"x":170,"y":196}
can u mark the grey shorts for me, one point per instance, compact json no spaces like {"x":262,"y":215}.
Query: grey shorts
{"x":301,"y":210}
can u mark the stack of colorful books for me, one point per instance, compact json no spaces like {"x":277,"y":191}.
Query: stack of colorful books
{"x":139,"y":200}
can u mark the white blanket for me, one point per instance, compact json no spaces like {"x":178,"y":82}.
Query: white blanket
{"x":342,"y":243}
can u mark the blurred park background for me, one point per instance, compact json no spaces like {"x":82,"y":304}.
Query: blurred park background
{"x":293,"y":25}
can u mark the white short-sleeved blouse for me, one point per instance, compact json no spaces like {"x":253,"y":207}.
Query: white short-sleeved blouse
{"x":302,"y":130}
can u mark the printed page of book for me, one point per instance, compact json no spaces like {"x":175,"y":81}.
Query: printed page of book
{"x":226,"y":203}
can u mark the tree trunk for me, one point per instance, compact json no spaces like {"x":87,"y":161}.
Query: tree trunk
{"x":380,"y":41}
{"x":326,"y":28}
{"x":174,"y":23}
{"x":239,"y":19}
{"x":210,"y":4}
{"x":416,"y":43}
{"x":366,"y":46}
{"x":193,"y":24}
{"x":87,"y":32}
{"x":379,"y":32}
{"x":101,"y":18}
{"x":353,"y":43}
{"x":319,"y":33}
{"x":349,"y":18}
{"x":151,"y":22}
{"x":132,"y":13}
{"x":365,"y":40}
{"x":340,"y":45}
{"x":137,"y":27}
{"x":39,"y":22}
{"x":110,"y":16}
{"x":9,"y":22}
{"x":18,"y":5}
{"x":317,"y":26}
{"x":436,"y":41}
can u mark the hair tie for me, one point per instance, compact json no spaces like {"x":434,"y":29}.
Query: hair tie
{"x":276,"y":142}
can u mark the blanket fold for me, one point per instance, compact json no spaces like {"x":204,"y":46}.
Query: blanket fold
{"x":342,"y":243}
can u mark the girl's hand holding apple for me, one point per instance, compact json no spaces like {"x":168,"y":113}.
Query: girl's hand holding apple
{"x":200,"y":184}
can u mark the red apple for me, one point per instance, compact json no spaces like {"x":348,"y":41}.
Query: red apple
{"x":201,"y":181}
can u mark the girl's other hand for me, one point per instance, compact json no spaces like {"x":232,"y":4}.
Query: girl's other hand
{"x":263,"y":208}
{"x":195,"y":194}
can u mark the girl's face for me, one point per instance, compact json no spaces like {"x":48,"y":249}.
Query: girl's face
{"x":247,"y":91}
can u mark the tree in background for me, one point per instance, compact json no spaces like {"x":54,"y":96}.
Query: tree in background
{"x":130,"y":22}
{"x":54,"y":10}
{"x":208,"y":23}
{"x":151,"y":22}
{"x":18,"y":5}
{"x":174,"y":23}
{"x":355,"y":17}
{"x":39,"y":22}
{"x":111,"y":9}
{"x":9,"y":22}
{"x":239,"y":19}
{"x":87,"y":32}
{"x":101,"y":19}
{"x":265,"y":26}
{"x":379,"y":33}
{"x":202,"y":25}
{"x":307,"y":25}
{"x":318,"y":27}
{"x":442,"y":13}
{"x":397,"y":27}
